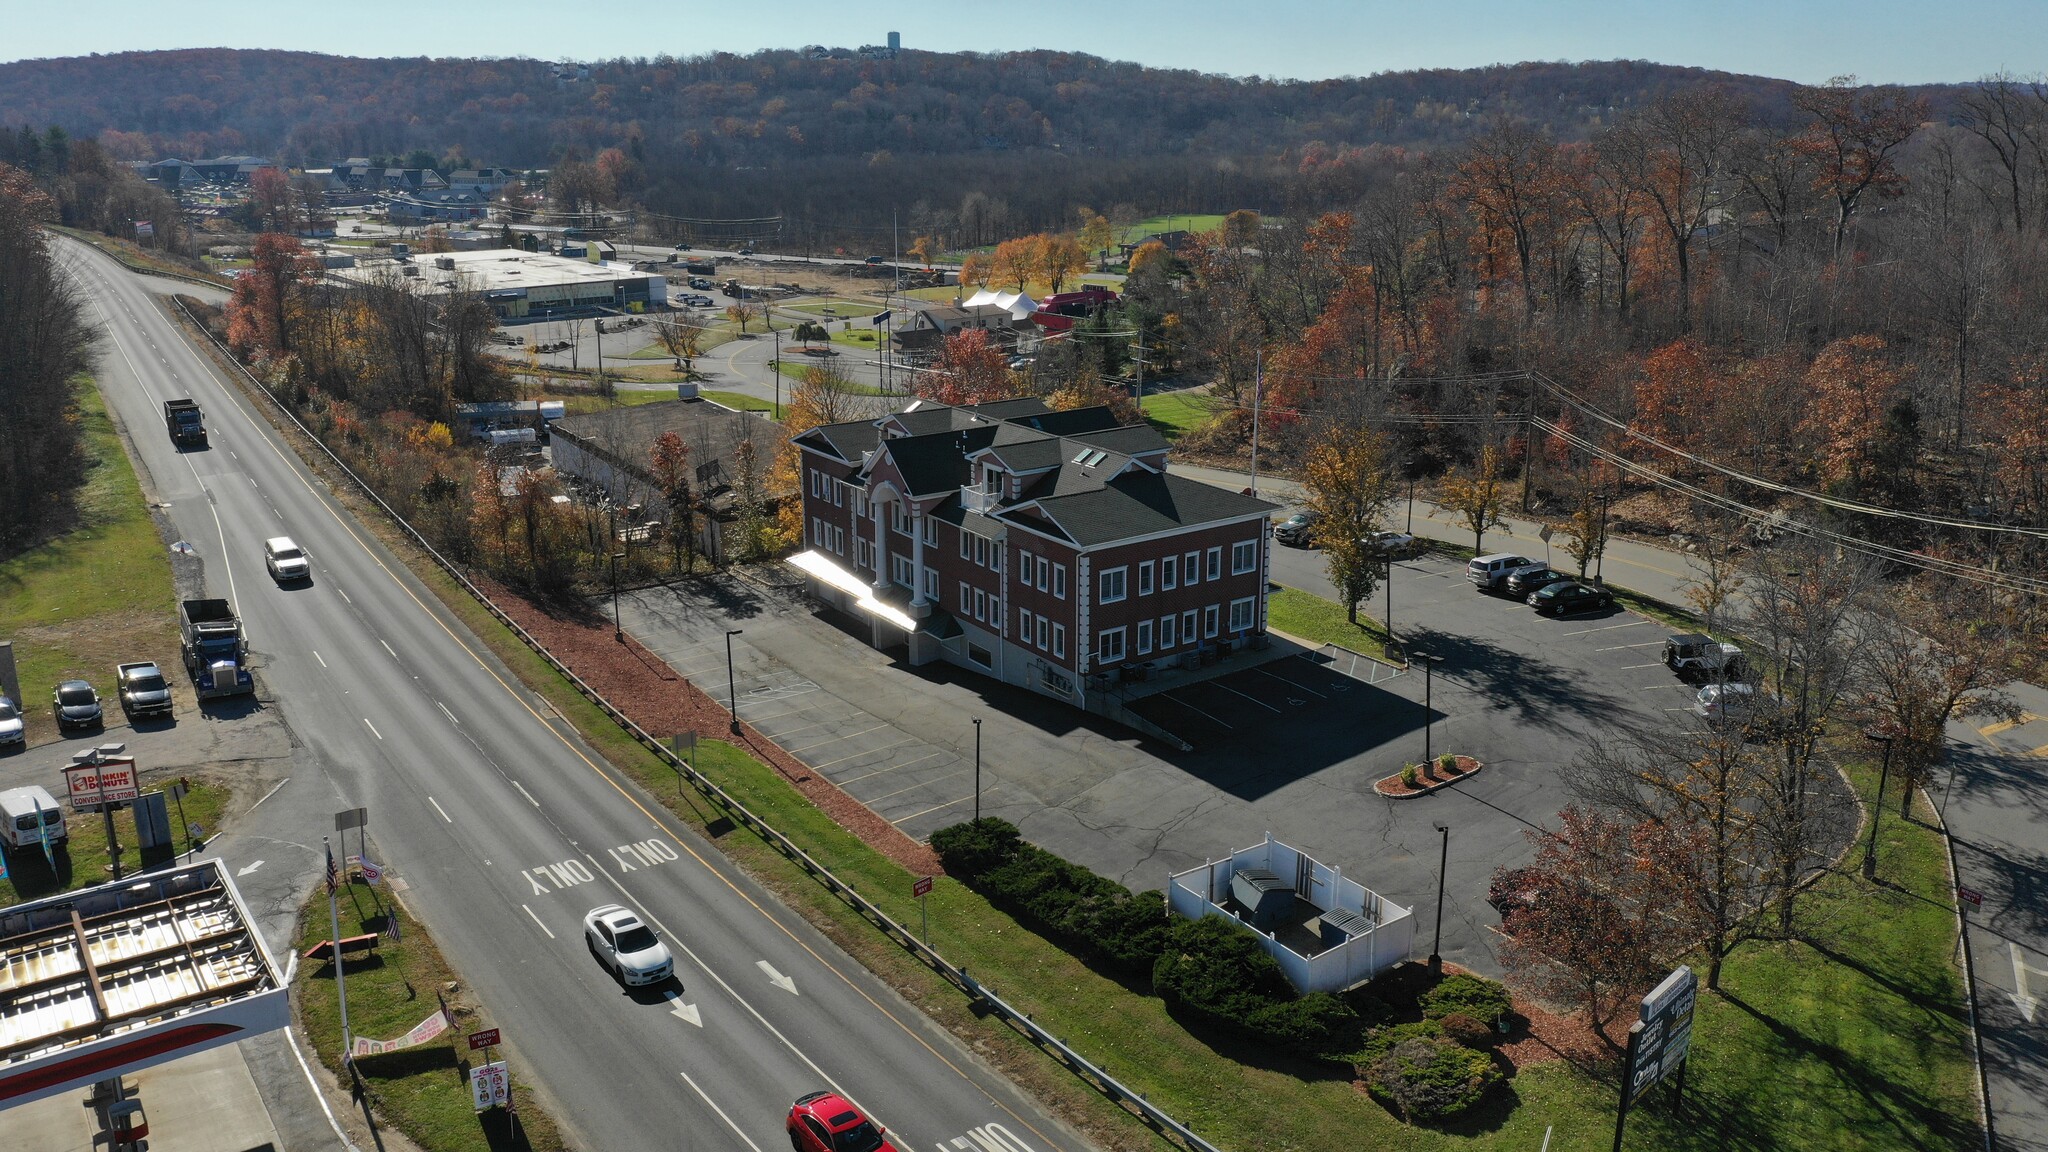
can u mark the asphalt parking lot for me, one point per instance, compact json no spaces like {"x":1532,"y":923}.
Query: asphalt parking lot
{"x":1292,"y":745}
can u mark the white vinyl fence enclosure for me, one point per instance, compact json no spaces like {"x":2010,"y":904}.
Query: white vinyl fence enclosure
{"x":1201,"y":891}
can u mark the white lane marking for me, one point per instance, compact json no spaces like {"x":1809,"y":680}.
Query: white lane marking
{"x":683,"y":1010}
{"x":446,"y":712}
{"x":932,"y":809}
{"x":2026,"y":1003}
{"x":1235,"y":692}
{"x":340,"y":593}
{"x":254,"y":865}
{"x":268,"y":795}
{"x":721,"y":1112}
{"x":1285,"y":680}
{"x":525,"y":793}
{"x":317,"y":656}
{"x":387,"y":648}
{"x":776,"y":978}
{"x":438,"y":808}
{"x":373,"y":729}
{"x":536,"y":920}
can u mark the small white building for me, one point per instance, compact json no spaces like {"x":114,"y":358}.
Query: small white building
{"x":1328,"y":933}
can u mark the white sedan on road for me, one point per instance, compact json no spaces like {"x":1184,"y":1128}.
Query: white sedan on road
{"x":626,"y":946}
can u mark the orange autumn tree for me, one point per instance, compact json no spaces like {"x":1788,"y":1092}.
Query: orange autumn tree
{"x":1851,"y":385}
{"x":1343,"y":344}
{"x":971,"y":370}
{"x":1671,"y":392}
{"x":268,"y":297}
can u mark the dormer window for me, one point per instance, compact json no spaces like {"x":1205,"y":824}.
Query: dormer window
{"x":992,"y":480}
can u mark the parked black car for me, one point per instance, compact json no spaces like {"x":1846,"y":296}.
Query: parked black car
{"x":1570,"y":596}
{"x":1521,"y":584}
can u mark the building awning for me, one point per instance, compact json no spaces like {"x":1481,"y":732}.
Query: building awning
{"x":816,"y":563}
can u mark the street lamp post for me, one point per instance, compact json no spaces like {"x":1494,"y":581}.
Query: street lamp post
{"x":1877,"y":805}
{"x":775,"y":366}
{"x":1436,"y":960}
{"x":618,"y":633}
{"x":732,"y":693}
{"x":977,"y":767}
{"x":1428,"y":708}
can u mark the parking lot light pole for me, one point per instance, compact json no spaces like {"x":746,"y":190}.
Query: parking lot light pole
{"x":731,"y":692}
{"x":1884,"y":773}
{"x":1428,"y":708}
{"x":977,"y":767}
{"x":1436,"y":960}
{"x":618,"y":633}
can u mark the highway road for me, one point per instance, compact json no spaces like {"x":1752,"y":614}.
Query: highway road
{"x":506,"y":828}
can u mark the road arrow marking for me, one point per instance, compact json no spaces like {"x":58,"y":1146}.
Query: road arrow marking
{"x":2026,"y":1003}
{"x":776,"y":978}
{"x":259,"y":864}
{"x":682,"y":1010}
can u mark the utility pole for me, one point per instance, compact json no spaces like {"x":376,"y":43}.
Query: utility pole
{"x":1258,"y":390}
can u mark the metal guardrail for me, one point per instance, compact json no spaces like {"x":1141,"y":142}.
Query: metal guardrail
{"x":1074,"y":1061}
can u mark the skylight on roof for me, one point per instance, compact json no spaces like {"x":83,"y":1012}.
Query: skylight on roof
{"x":1081,"y":457}
{"x":1095,"y":457}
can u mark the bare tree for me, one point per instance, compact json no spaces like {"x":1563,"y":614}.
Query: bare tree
{"x":2003,"y":111}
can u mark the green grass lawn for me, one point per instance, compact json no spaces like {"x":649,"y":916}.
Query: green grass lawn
{"x":834,"y":309}
{"x":1310,"y":617}
{"x":98,"y":595}
{"x":422,"y":1091}
{"x":84,"y":862}
{"x":737,"y":400}
{"x":868,"y":338}
{"x":1185,"y":222}
{"x":1853,"y":1040}
{"x":1177,"y":413}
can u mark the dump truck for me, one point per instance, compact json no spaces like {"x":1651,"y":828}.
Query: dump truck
{"x":216,"y":655}
{"x":184,"y":421}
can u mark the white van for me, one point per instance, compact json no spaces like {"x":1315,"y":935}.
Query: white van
{"x":1490,"y":573}
{"x":22,"y":808}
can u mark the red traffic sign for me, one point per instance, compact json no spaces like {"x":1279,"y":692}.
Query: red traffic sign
{"x":923,"y":885}
{"x":488,"y":1038}
{"x":1970,"y":896}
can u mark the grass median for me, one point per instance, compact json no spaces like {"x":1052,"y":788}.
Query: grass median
{"x":421,"y":1091}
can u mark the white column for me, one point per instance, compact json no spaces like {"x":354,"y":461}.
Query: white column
{"x":881,"y":546}
{"x":917,"y":599}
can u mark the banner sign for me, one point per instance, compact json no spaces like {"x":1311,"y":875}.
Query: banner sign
{"x":422,"y":1032}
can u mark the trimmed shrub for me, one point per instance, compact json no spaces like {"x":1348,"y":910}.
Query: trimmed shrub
{"x":1432,"y":1078}
{"x":1409,"y":776}
{"x":1215,"y":969}
{"x":970,"y":849}
{"x":1481,"y":999}
{"x":1467,"y":1031}
{"x":1380,"y":1041}
{"x":1448,"y":763}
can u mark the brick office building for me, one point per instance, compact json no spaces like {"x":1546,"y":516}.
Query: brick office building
{"x":1052,"y":550}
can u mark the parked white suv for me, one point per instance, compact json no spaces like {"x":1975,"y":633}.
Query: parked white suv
{"x":1490,"y":573}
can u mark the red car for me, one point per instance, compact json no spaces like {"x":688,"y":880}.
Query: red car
{"x":825,"y":1122}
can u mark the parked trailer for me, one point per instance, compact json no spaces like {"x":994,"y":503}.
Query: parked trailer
{"x":216,"y":654}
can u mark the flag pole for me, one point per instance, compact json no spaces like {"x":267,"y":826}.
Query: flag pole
{"x":340,"y":984}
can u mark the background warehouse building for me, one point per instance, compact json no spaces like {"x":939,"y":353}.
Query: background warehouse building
{"x":522,"y":285}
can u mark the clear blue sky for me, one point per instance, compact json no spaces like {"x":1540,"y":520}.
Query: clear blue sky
{"x":1907,"y":41}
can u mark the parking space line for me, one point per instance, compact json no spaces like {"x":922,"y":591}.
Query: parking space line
{"x":1659,"y":688}
{"x":1197,"y":711}
{"x":890,"y":768}
{"x":934,"y":808}
{"x":1608,"y":627}
{"x":1235,"y":692}
{"x":871,"y":801}
{"x":867,"y":752}
{"x":1285,"y":680}
{"x":1621,"y":647}
{"x":1635,"y":667}
{"x":835,"y":739}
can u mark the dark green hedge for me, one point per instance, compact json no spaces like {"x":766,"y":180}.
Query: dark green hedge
{"x":1432,"y":1078}
{"x":1215,"y":969}
{"x":1483,"y":1000}
{"x":1086,"y":913}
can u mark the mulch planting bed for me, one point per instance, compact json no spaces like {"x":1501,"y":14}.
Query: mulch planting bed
{"x":1425,"y":783}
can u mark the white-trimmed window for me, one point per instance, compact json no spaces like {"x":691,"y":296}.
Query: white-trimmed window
{"x":931,"y":532}
{"x":1023,"y":625}
{"x":1187,"y":626}
{"x":981,"y":551}
{"x":931,"y":584}
{"x":1209,"y":617}
{"x":817,"y":483}
{"x":1191,"y":564}
{"x":1144,"y":578}
{"x":1241,"y":614}
{"x":1244,"y":557}
{"x":1059,"y":641}
{"x":1165,"y":632}
{"x":967,"y":600}
{"x":839,"y":540}
{"x":1216,"y":563}
{"x":1169,"y":568}
{"x":861,"y":548}
{"x":1041,"y":584}
{"x":899,"y":520}
{"x":966,"y":549}
{"x":981,"y":603}
{"x":1023,"y":566}
{"x":1109,"y":645}
{"x":1144,"y":637}
{"x":1044,"y":630}
{"x":1059,"y":581}
{"x":901,"y":572}
{"x":1112,"y":585}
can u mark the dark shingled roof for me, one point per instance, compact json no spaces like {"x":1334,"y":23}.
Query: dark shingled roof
{"x":1131,"y":439}
{"x":936,"y":463}
{"x":846,"y":441}
{"x":1139,"y":503}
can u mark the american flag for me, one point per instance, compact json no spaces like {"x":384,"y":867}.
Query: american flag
{"x":327,"y":848}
